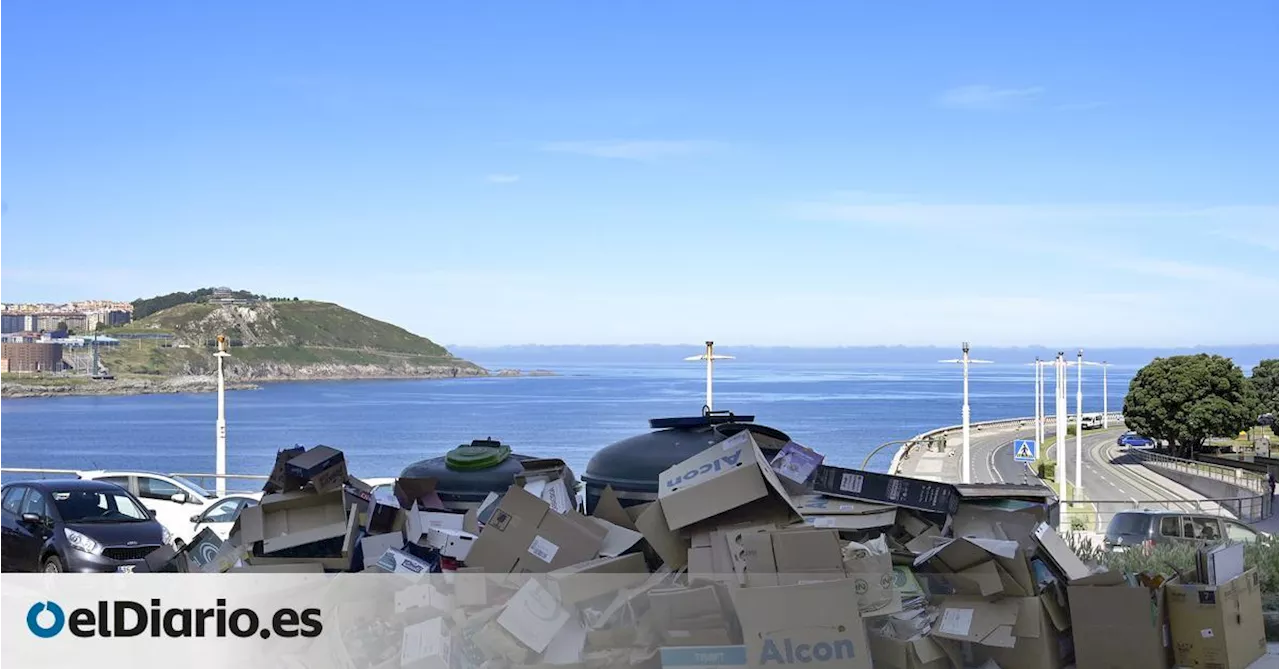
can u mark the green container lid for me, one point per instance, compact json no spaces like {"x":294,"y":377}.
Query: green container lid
{"x":479,"y":454}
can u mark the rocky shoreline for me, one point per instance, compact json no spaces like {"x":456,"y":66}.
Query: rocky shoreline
{"x":196,"y":383}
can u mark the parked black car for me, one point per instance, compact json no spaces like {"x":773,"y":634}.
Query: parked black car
{"x":1138,"y":527}
{"x":75,"y":526}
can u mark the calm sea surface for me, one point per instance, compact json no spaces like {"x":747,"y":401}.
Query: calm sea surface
{"x":842,"y":410}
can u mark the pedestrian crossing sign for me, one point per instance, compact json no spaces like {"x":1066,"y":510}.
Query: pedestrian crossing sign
{"x":1024,"y":450}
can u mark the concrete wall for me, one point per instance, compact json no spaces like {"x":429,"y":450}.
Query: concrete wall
{"x":1217,"y":490}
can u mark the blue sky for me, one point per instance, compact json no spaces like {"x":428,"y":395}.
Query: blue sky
{"x":755,"y":173}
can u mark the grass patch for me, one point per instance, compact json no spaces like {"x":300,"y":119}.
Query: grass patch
{"x":1082,"y":514}
{"x":43,"y":379}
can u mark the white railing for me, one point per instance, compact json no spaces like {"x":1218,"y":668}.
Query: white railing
{"x":925,"y":437}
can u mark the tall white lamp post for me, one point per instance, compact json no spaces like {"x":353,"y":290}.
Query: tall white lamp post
{"x":1060,"y":425}
{"x":710,"y":357}
{"x":1079,"y":415}
{"x":965,"y":361}
{"x":221,"y":457}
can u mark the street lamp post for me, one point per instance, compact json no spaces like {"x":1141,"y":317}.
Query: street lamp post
{"x":710,"y":357}
{"x":220,"y":465}
{"x":1079,"y":415}
{"x":1060,"y":424}
{"x":1104,"y":366}
{"x":965,"y":361}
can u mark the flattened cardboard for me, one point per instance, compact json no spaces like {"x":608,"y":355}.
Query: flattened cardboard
{"x":977,"y":621}
{"x":981,"y":566}
{"x":731,"y":475}
{"x":593,"y":578}
{"x":287,"y":568}
{"x":533,"y":615}
{"x":609,"y":508}
{"x":815,"y":624}
{"x":868,"y":486}
{"x":922,"y":653}
{"x":664,"y":541}
{"x":1060,"y":553}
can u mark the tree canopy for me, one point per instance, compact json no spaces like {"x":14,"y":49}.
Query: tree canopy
{"x":1187,"y":399}
{"x":1265,"y":379}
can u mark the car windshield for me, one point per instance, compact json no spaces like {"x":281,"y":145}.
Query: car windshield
{"x":97,"y":506}
{"x":1129,"y":524}
{"x":198,"y":490}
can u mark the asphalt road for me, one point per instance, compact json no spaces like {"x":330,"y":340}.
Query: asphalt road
{"x":1107,"y":473}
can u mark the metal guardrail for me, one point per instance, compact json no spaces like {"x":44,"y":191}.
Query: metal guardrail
{"x":1232,"y":475}
{"x":932,"y":435}
{"x":203,"y":480}
{"x":1095,"y":515}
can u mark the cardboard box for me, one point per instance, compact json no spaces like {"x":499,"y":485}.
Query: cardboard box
{"x":1217,"y":626}
{"x":400,"y":562}
{"x":286,"y":520}
{"x":374,"y":546}
{"x":923,"y":653}
{"x":1104,"y":603}
{"x":384,"y":514}
{"x":933,"y":496}
{"x":524,"y":535}
{"x":356,"y":495}
{"x":322,"y":467}
{"x":451,"y":543}
{"x":533,"y":615}
{"x":795,"y":466}
{"x":703,"y":657}
{"x":280,"y":480}
{"x":815,"y":624}
{"x":732,"y":475}
{"x":1024,"y":632}
{"x":791,"y":557}
{"x":546,"y":479}
{"x":419,"y":491}
{"x":419,"y":521}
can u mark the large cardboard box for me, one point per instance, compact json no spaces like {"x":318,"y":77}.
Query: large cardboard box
{"x":791,"y":557}
{"x":1217,"y":626}
{"x":324,"y":468}
{"x":289,"y":519}
{"x":732,"y":475}
{"x":981,"y":567}
{"x":525,"y":536}
{"x":1103,"y":603}
{"x":921,"y":494}
{"x":815,"y":624}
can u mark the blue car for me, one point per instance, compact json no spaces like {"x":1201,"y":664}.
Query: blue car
{"x":1135,"y":440}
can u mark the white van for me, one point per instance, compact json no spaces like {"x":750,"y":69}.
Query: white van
{"x":1091,"y":421}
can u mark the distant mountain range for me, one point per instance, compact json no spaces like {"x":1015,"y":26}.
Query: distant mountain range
{"x":548,"y":356}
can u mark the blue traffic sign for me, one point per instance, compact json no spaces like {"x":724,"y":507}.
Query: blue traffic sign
{"x":1024,"y":450}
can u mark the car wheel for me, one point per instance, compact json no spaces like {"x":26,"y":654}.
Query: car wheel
{"x":52,"y":565}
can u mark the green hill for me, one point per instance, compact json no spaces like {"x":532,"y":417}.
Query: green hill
{"x":273,"y":339}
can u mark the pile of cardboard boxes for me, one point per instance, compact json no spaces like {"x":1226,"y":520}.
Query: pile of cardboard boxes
{"x":741,"y":561}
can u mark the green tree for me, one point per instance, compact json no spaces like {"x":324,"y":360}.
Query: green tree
{"x":1265,"y":379}
{"x":1186,"y":399}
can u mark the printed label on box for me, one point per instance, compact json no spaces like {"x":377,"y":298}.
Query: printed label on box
{"x":956,"y":621}
{"x":543,"y":549}
{"x":851,"y":483}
